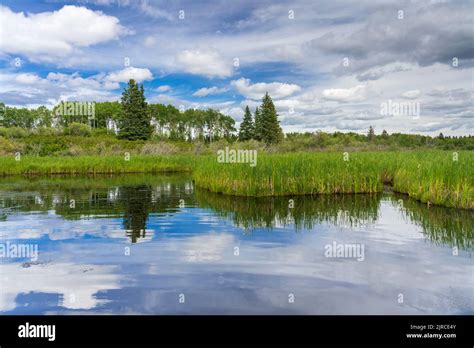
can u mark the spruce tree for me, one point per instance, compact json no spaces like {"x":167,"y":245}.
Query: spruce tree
{"x":371,"y":133}
{"x":271,"y":131}
{"x":246,"y":131}
{"x":134,"y":122}
{"x":258,"y":125}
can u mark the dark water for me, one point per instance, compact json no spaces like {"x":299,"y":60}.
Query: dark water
{"x":157,"y":245}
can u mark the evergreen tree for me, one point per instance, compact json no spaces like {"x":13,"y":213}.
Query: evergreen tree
{"x":246,"y":131}
{"x":371,"y":133}
{"x":134,"y":123}
{"x":384,"y":134}
{"x":270,"y":128}
{"x":258,"y":125}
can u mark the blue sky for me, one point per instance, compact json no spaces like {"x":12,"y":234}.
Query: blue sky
{"x":329,"y":65}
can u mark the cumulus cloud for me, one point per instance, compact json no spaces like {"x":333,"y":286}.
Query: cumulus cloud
{"x":206,"y":62}
{"x":57,"y":33}
{"x":257,"y":90}
{"x":424,"y":37}
{"x":30,"y":89}
{"x":162,"y":89}
{"x":202,"y":92}
{"x":124,"y":75}
{"x":356,"y":93}
{"x":411,"y":94}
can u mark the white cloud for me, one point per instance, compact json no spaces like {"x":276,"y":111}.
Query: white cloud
{"x":124,"y":75}
{"x":206,"y":62}
{"x":411,"y":94}
{"x":164,"y":88}
{"x":27,"y":78}
{"x":256,"y":91}
{"x":55,"y":34}
{"x":202,"y":92}
{"x":356,"y":93}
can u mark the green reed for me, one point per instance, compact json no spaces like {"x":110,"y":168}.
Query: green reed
{"x":429,"y":176}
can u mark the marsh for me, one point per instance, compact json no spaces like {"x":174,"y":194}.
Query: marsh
{"x":156,"y":244}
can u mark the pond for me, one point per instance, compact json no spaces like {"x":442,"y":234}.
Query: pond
{"x":156,"y":244}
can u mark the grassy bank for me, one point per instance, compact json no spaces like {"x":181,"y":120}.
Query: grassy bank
{"x":32,"y":165}
{"x":428,"y":176}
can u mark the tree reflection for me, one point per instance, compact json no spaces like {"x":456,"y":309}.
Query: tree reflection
{"x":137,"y":204}
{"x":133,"y":198}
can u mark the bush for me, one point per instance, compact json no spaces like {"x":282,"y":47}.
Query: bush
{"x":6,"y":146}
{"x":46,"y":131}
{"x":78,"y":129}
{"x":160,"y":148}
{"x":13,"y":132}
{"x":100,"y":132}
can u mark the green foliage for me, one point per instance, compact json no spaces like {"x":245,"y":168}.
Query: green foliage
{"x":246,"y":127}
{"x":107,"y":111}
{"x":371,"y":134}
{"x":270,"y":131}
{"x":78,"y":129}
{"x":258,"y":125}
{"x":13,"y":132}
{"x":134,"y":123}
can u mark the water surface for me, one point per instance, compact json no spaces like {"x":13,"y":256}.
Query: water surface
{"x":141,"y":244}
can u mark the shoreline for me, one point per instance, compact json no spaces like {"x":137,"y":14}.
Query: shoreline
{"x":430,"y":177}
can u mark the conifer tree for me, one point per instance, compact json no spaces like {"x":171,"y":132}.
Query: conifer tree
{"x":134,"y":123}
{"x":270,"y":128}
{"x":258,"y":125}
{"x":371,"y":133}
{"x":246,"y":131}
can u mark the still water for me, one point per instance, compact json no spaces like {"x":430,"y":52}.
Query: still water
{"x":142,"y":244}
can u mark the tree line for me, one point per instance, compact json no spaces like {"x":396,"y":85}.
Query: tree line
{"x":133,"y":118}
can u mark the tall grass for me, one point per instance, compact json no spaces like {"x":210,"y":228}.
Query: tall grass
{"x":33,"y":165}
{"x":429,"y":176}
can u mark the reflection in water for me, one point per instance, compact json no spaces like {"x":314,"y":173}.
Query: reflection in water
{"x":300,"y":211}
{"x":228,"y":254}
{"x":134,"y":198}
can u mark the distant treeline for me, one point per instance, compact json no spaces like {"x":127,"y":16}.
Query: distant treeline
{"x":167,"y":120}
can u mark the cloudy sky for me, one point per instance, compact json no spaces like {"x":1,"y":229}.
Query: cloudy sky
{"x":329,"y":65}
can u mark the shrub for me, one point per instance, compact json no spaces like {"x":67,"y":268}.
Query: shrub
{"x":13,"y":132}
{"x":46,"y":131}
{"x":160,"y":148}
{"x":6,"y":146}
{"x":78,"y":129}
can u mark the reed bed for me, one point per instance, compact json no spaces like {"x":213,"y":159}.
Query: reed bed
{"x":433,"y":177}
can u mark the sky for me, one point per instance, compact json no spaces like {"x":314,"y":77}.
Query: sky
{"x":402,"y":66}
